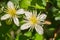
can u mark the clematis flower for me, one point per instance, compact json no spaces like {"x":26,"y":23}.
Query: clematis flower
{"x":34,"y":21}
{"x":12,"y":13}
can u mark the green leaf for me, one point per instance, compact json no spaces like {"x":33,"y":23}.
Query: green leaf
{"x":38,"y":37}
{"x":57,"y":18}
{"x":44,"y":2}
{"x":54,"y":9}
{"x":39,"y":7}
{"x":22,"y":37}
{"x":17,"y":37}
{"x":58,"y":3}
{"x":51,"y":29}
{"x":25,"y":3}
{"x":16,"y":2}
{"x":14,"y":27}
{"x":9,"y":22}
{"x":28,"y":34}
{"x":0,"y":24}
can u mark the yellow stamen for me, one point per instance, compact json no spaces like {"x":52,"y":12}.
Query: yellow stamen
{"x":11,"y":11}
{"x":33,"y":20}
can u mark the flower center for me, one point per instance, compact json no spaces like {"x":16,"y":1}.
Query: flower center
{"x":33,"y":20}
{"x":12,"y":12}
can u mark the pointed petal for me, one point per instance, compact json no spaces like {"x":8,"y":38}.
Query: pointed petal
{"x":28,"y":14}
{"x":16,"y":21}
{"x":42,"y":17}
{"x":25,"y":26}
{"x":20,"y":11}
{"x":6,"y":16}
{"x":35,"y":12}
{"x":39,"y":29}
{"x":10,"y":5}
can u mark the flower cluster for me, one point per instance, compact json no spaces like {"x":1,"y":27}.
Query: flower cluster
{"x":31,"y":18}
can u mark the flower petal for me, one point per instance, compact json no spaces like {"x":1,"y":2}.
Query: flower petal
{"x":6,"y":16}
{"x":28,"y":14}
{"x":39,"y":29}
{"x":20,"y":11}
{"x":42,"y":17}
{"x":10,"y":5}
{"x":25,"y":26}
{"x":16,"y":21}
{"x":35,"y":12}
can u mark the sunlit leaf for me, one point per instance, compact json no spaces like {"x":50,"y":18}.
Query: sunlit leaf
{"x":51,"y":29}
{"x":38,"y":37}
{"x":28,"y":34}
{"x":58,"y":3}
{"x":57,"y":18}
{"x":25,"y":3}
{"x":44,"y":2}
{"x":39,"y":7}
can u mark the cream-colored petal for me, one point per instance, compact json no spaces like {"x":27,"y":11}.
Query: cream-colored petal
{"x":28,"y":14}
{"x":20,"y":11}
{"x":38,"y":16}
{"x":39,"y":29}
{"x":35,"y":12}
{"x":10,"y":5}
{"x":25,"y":26}
{"x":16,"y":21}
{"x":4,"y":17}
{"x":42,"y":17}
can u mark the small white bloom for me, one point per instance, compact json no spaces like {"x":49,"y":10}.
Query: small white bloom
{"x":12,"y":13}
{"x":34,"y":21}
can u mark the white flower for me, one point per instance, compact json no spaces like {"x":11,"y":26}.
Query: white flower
{"x":34,"y":21}
{"x":12,"y":13}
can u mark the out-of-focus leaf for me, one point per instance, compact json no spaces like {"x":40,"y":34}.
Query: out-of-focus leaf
{"x":22,"y":22}
{"x":8,"y":22}
{"x":51,"y":29}
{"x":38,"y":37}
{"x":28,"y":34}
{"x":33,"y":2}
{"x":58,"y":3}
{"x":0,"y":24}
{"x":22,"y":37}
{"x":14,"y":27}
{"x":5,"y":28}
{"x":39,"y":7}
{"x":54,"y":9}
{"x":16,"y":2}
{"x":44,"y":2}
{"x":17,"y":37}
{"x":25,"y":3}
{"x":57,"y":18}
